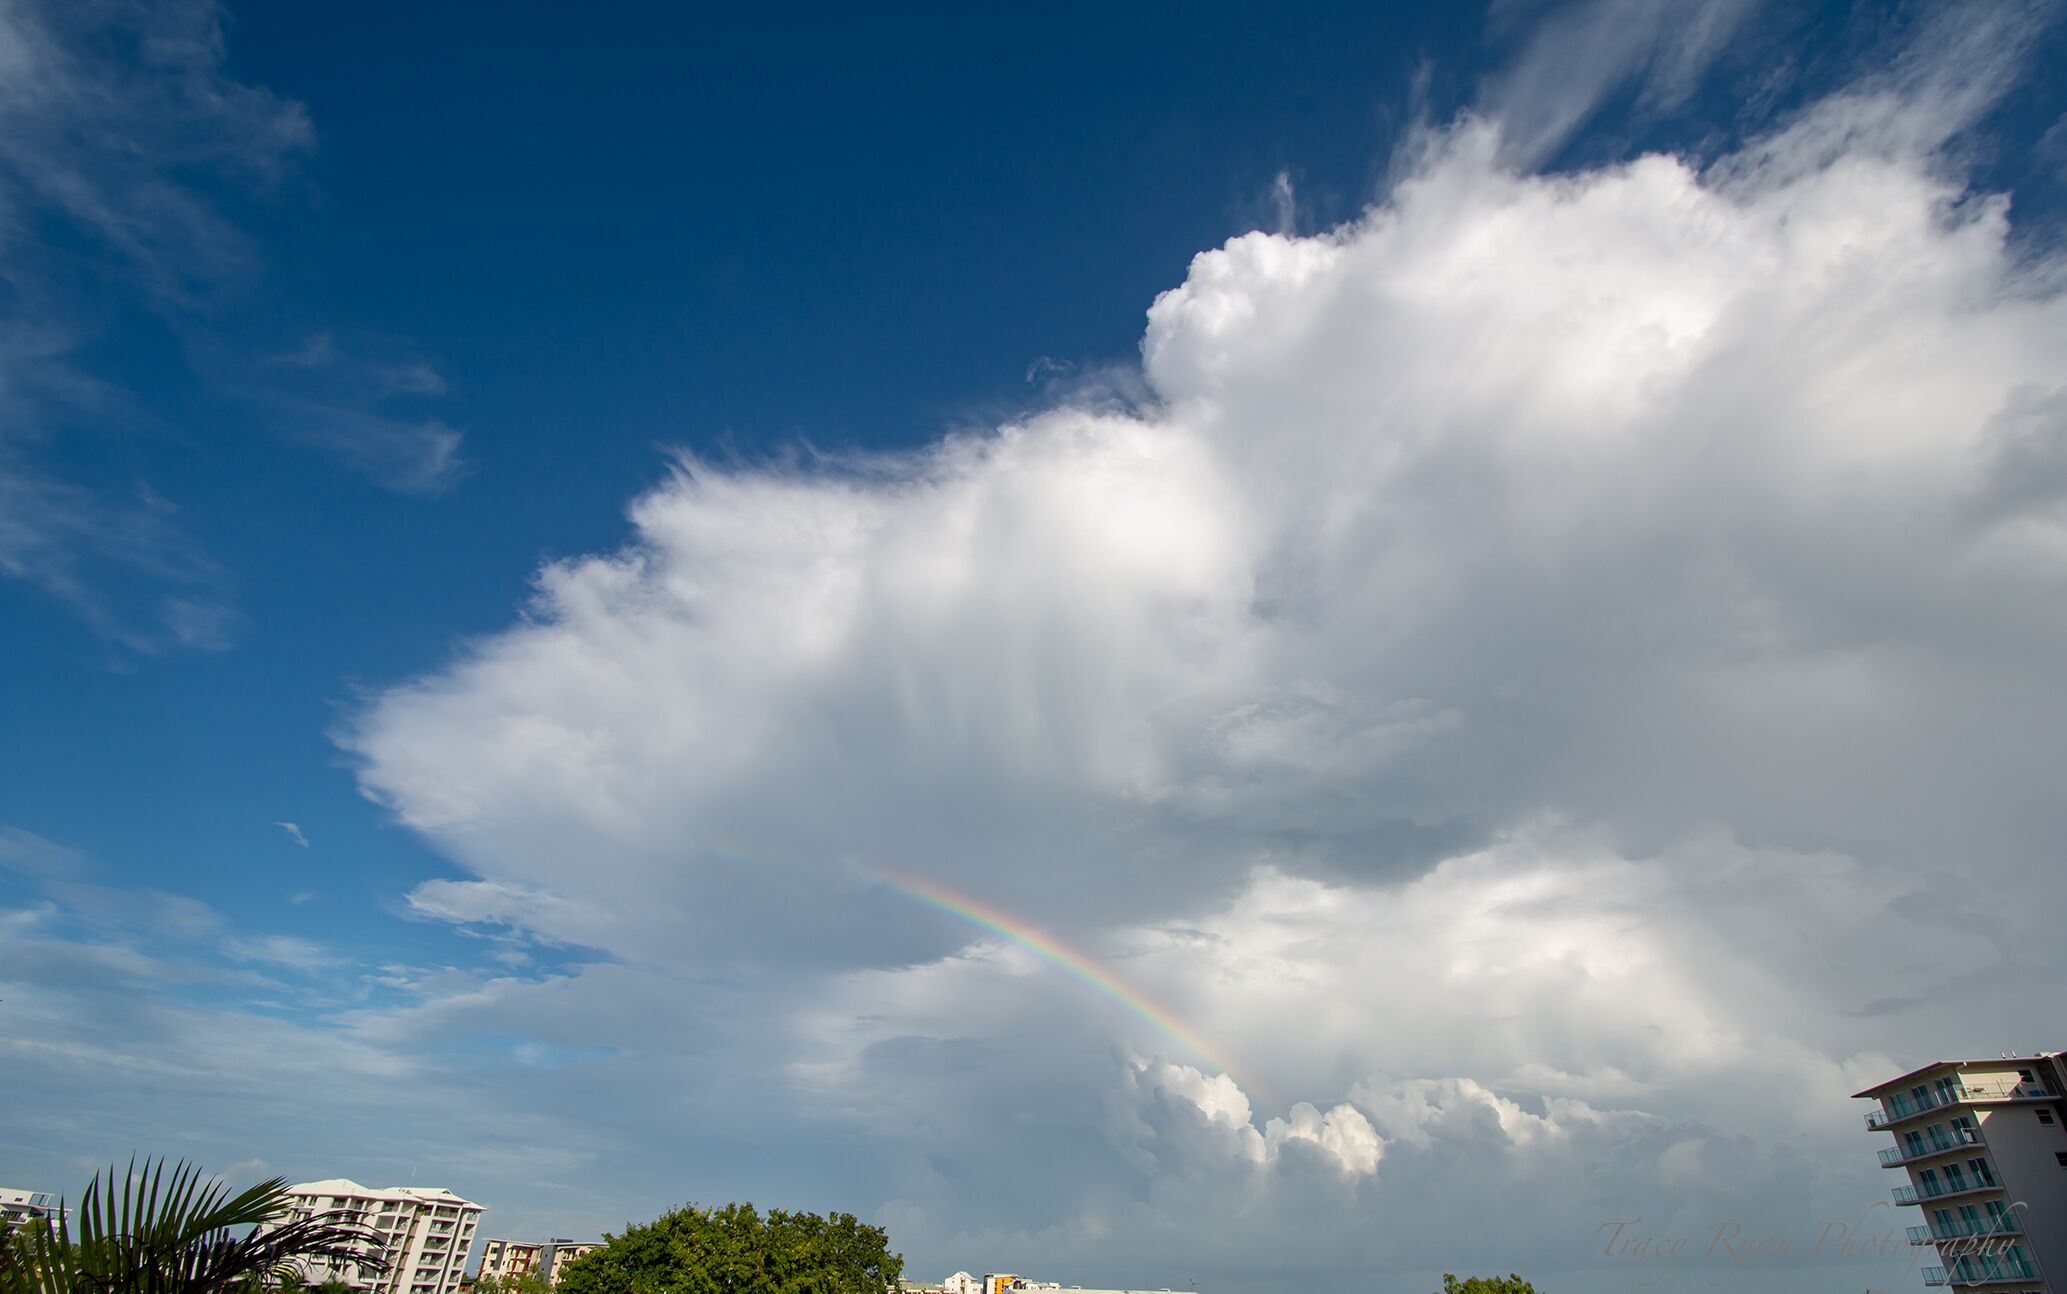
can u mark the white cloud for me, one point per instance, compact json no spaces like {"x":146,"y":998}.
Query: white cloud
{"x":364,"y":411}
{"x":1549,"y":676}
{"x":1576,"y":57}
{"x":27,"y":852}
{"x":290,"y":952}
{"x":293,"y":831}
{"x":1651,"y":497}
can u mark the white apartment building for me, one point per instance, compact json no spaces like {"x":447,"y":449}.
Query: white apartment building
{"x":18,"y":1206}
{"x":426,"y":1234}
{"x":500,"y":1258}
{"x":1984,"y":1145}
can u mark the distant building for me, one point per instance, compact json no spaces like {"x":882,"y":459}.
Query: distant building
{"x":1984,"y":1145}
{"x":500,"y":1258}
{"x":19,"y":1206}
{"x":425,"y":1234}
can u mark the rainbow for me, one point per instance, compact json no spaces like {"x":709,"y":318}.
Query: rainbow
{"x":1039,"y":942}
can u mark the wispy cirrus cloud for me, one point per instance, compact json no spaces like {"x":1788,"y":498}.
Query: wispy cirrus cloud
{"x":364,"y":411}
{"x":121,"y":132}
{"x":289,"y":952}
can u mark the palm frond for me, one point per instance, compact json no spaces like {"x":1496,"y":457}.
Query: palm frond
{"x":178,"y":1232}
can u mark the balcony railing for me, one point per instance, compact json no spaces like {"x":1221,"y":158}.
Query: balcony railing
{"x":1894,"y":1109}
{"x":1991,"y":1270}
{"x":1942,"y":1191}
{"x":1937,"y":1143}
{"x":2003,"y":1225}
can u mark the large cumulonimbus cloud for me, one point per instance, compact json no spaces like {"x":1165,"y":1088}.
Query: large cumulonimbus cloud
{"x":1558,"y":666}
{"x":1653,"y":497}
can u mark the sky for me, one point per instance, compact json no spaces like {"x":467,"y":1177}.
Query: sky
{"x":1197,"y":647}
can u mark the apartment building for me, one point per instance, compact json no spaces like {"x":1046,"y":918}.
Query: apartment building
{"x":502,"y":1258}
{"x":1984,"y":1146}
{"x":425,"y":1234}
{"x":19,"y":1206}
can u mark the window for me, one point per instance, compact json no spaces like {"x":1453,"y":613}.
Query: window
{"x":2061,"y":1156}
{"x":2045,"y":1117}
{"x":2026,"y":1076}
{"x":1982,"y":1173}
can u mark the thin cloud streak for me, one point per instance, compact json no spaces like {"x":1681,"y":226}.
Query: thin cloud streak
{"x":111,"y":171}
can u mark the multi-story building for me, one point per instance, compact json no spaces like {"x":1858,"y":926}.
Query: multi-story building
{"x":19,"y":1206}
{"x":1984,"y":1145}
{"x":504,"y":1258}
{"x":424,"y":1234}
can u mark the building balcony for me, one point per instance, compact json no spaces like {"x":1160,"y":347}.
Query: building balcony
{"x":1983,"y":1272}
{"x":1938,"y":1143}
{"x":1901,"y":1109}
{"x":1943,"y":1191}
{"x":1897,"y":1109}
{"x":2006,"y":1225}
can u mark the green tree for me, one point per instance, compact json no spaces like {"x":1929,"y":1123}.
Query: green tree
{"x":1486,"y":1285}
{"x":173,"y":1231}
{"x":521,"y":1283}
{"x":736,"y":1250}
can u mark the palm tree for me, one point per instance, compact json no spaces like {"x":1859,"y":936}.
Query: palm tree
{"x":177,"y":1232}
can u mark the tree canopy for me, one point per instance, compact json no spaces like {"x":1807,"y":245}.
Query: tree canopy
{"x":737,"y":1250}
{"x":1509,"y":1284}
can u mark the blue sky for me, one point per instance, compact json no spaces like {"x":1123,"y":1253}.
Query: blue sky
{"x":615,"y":484}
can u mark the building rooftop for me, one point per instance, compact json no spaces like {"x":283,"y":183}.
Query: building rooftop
{"x":1992,"y":1062}
{"x":346,"y":1186}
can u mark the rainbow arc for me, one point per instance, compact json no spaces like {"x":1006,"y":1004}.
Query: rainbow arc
{"x":1049,"y":948}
